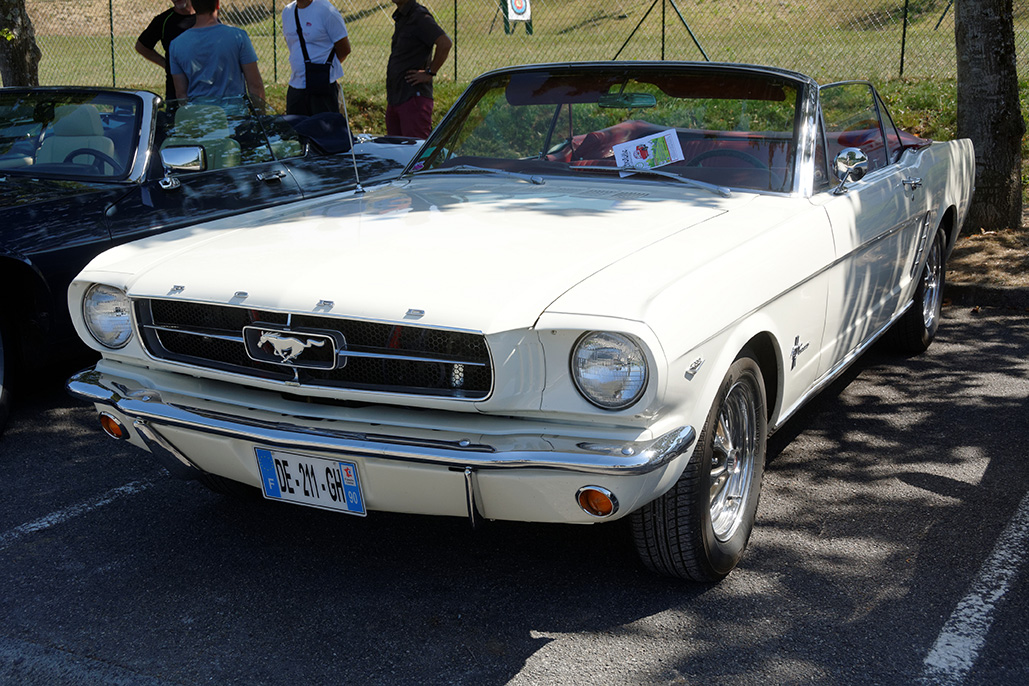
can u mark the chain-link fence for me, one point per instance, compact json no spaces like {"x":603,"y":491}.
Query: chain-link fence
{"x":90,"y":42}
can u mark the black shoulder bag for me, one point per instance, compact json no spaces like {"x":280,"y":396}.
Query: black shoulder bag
{"x":316,"y":73}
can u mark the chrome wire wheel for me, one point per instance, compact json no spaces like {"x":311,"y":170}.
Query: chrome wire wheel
{"x":932,"y":284}
{"x":734,"y":452}
{"x":699,"y":528}
{"x":915,"y":330}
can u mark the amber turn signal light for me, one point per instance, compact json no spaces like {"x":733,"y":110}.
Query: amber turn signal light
{"x":112,"y":427}
{"x":597,"y":501}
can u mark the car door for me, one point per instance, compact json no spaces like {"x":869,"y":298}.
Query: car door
{"x":876,"y":221}
{"x":240,"y":173}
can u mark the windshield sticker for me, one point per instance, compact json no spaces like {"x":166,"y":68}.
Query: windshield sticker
{"x":649,"y":152}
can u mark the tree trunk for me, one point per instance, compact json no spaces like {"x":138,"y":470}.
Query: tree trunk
{"x":988,"y":110}
{"x":19,"y":56}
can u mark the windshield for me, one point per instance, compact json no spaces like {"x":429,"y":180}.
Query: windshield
{"x":719,"y":126}
{"x":229,"y":130}
{"x":68,"y":135}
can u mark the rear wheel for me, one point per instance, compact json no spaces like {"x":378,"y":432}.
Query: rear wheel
{"x":699,"y":529}
{"x":915,"y":330}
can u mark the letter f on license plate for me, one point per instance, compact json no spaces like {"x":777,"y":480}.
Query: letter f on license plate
{"x":311,"y":481}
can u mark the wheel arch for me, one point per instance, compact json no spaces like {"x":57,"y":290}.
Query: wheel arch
{"x":764,"y":348}
{"x":29,"y":315}
{"x":949,"y":224}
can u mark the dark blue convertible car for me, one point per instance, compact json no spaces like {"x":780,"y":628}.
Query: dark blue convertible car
{"x":82,"y":170}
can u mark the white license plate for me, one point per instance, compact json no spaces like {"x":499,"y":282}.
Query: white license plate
{"x":313,"y":481}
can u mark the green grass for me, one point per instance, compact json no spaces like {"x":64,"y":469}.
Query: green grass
{"x":828,"y":40}
{"x":816,"y":37}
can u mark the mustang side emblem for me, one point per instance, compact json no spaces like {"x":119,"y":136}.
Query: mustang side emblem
{"x":304,"y":348}
{"x":798,"y":348}
{"x":287,"y":347}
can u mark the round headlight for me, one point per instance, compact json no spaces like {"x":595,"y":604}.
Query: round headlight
{"x":609,"y":369}
{"x":106,"y":311}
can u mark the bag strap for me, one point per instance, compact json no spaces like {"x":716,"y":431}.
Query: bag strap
{"x":300,"y":35}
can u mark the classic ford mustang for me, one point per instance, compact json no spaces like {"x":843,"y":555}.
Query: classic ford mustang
{"x":593,"y":294}
{"x":84,"y":169}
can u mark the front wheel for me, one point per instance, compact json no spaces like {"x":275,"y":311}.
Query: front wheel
{"x":699,"y":529}
{"x":915,"y":331}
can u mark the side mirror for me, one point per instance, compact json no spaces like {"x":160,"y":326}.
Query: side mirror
{"x":184,"y":158}
{"x":851,"y":164}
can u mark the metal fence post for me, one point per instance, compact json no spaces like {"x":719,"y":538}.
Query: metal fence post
{"x":903,"y":38}
{"x":110,"y":27}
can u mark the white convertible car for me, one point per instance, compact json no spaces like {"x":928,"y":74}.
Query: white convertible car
{"x":593,"y":294}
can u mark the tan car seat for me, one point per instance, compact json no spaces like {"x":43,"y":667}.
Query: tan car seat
{"x":76,"y":127}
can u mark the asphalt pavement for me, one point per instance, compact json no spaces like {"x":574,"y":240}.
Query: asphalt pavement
{"x":890,"y":549}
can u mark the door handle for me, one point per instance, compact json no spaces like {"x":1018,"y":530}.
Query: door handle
{"x":277,"y":175}
{"x":912,"y":182}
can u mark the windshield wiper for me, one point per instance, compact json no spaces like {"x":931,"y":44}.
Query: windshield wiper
{"x":720,"y":190}
{"x":531,"y":178}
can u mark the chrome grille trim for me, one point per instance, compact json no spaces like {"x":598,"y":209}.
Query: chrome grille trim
{"x":343,"y":353}
{"x":380,"y":356}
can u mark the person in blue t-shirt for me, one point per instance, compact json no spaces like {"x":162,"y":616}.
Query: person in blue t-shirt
{"x":212,"y":60}
{"x":163,"y":29}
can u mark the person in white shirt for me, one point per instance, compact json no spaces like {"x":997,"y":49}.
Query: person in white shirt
{"x":323,"y":36}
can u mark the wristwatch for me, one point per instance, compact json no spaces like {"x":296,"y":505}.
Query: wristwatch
{"x":429,"y":71}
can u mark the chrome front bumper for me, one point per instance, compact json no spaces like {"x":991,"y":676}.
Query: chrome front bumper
{"x":149,"y":414}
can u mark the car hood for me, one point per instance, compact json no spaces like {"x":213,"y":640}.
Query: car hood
{"x":16,"y":191}
{"x":471,"y":253}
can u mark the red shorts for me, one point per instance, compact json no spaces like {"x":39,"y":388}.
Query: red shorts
{"x":410,"y":118}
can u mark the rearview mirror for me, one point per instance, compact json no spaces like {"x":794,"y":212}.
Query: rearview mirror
{"x":612,"y":101}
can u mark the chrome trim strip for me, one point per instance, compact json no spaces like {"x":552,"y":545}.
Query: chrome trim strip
{"x":405,"y":358}
{"x":348,"y":352}
{"x":469,"y":487}
{"x":567,"y":453}
{"x":189,"y":332}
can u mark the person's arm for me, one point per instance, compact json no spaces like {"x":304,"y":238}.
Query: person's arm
{"x":442,"y":50}
{"x":150,"y":54}
{"x":181,"y":86}
{"x":255,"y":84}
{"x":342,"y":48}
{"x":443,"y":45}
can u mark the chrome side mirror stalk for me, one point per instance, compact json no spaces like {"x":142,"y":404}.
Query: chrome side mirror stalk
{"x":851,"y":164}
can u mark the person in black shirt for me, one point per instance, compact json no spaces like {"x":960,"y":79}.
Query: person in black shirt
{"x":412,"y":64}
{"x":163,"y":29}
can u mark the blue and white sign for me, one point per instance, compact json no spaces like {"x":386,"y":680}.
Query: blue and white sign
{"x":519,"y":10}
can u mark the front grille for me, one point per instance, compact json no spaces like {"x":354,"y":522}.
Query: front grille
{"x":373,"y":356}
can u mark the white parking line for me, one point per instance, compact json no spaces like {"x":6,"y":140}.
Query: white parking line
{"x":957,"y":647}
{"x":8,"y":537}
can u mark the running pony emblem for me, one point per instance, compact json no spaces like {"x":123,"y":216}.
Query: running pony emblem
{"x":288,"y":348}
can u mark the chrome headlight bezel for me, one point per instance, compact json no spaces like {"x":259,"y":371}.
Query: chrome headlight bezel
{"x":107,"y":314}
{"x":610,"y":370}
